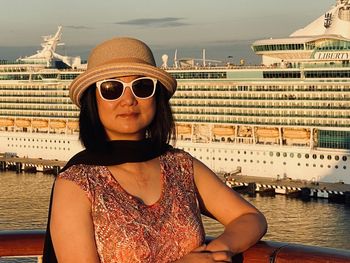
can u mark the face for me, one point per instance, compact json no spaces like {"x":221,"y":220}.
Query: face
{"x":127,"y":117}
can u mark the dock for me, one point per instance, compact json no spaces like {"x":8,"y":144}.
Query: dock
{"x":30,"y":165}
{"x":305,"y":190}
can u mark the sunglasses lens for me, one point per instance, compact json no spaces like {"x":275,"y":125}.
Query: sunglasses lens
{"x":111,"y":90}
{"x":143,"y":88}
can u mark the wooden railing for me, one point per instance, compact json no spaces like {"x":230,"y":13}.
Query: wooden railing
{"x":30,"y":243}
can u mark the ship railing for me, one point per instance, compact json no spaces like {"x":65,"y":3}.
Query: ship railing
{"x":29,"y":243}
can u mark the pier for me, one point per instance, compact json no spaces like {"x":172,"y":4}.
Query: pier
{"x":305,"y":190}
{"x":30,"y":165}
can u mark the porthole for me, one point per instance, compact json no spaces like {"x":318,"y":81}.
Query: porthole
{"x":314,"y":165}
{"x":307,"y":156}
{"x":284,"y":163}
{"x":307,"y":165}
{"x":329,"y":157}
{"x":336,"y":167}
{"x":264,"y":161}
{"x":329,"y":166}
{"x":336,"y":158}
{"x":299,"y":155}
{"x":238,"y":160}
{"x":321,"y":165}
{"x":344,"y":158}
{"x":344,"y":167}
{"x":314,"y":156}
{"x":278,"y":154}
{"x":321,"y":156}
{"x":291,"y":155}
{"x":251,"y":161}
{"x":271,"y":154}
{"x":298,"y":164}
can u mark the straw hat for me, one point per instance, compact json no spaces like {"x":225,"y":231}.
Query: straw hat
{"x":116,"y":58}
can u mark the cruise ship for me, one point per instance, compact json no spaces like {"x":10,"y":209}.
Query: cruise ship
{"x":286,"y":118}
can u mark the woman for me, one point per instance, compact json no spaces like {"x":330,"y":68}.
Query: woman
{"x":130,"y":197}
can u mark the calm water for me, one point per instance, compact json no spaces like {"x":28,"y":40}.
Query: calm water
{"x":24,"y":202}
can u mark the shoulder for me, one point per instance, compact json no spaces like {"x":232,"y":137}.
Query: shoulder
{"x":79,"y":175}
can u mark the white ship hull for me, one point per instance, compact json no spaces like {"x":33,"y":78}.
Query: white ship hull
{"x":271,"y":161}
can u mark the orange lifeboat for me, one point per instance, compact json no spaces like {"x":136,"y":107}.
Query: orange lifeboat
{"x":183,"y":129}
{"x":290,"y":133}
{"x":6,"y":122}
{"x":224,"y":130}
{"x":73,"y":125}
{"x":23,"y":123}
{"x":39,"y":123}
{"x":57,"y":124}
{"x":267,"y":132}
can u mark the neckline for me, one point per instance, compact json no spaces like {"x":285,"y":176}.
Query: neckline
{"x":137,"y":199}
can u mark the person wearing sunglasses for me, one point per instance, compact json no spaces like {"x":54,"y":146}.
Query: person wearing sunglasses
{"x":130,"y":196}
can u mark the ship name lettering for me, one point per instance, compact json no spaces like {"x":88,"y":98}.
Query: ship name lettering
{"x":333,"y":55}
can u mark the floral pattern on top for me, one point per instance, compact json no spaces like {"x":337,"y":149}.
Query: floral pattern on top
{"x":126,"y":229}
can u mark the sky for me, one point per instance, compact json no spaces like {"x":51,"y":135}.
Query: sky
{"x":225,"y":28}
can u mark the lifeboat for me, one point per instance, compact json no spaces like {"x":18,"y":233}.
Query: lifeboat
{"x":6,"y":122}
{"x":183,"y":129}
{"x":290,"y":133}
{"x":224,"y":130}
{"x":57,"y":124}
{"x":73,"y":125}
{"x":267,"y":132}
{"x":39,"y":123}
{"x":23,"y":123}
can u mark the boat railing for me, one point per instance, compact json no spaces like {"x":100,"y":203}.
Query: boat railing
{"x":29,"y":243}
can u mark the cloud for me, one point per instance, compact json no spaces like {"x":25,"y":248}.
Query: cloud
{"x":154,"y":22}
{"x":79,"y":27}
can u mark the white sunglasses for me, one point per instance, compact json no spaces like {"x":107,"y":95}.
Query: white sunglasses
{"x":113,"y":89}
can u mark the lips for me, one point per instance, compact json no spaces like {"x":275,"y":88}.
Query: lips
{"x":127,"y":114}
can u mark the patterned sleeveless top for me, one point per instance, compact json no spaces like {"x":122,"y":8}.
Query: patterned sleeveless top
{"x":126,"y":229}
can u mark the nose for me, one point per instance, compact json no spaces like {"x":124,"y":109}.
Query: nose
{"x":128,"y":97}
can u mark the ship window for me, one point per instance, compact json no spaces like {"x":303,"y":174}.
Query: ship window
{"x":314,"y":156}
{"x":291,"y":155}
{"x":344,"y":167}
{"x":299,"y":155}
{"x":284,"y":163}
{"x":298,"y":164}
{"x":329,"y":166}
{"x":314,"y":165}
{"x":329,"y":157}
{"x":307,"y":165}
{"x":264,"y":161}
{"x":278,"y":154}
{"x":238,"y":160}
{"x":321,"y":156}
{"x":284,"y":154}
{"x":336,"y":157}
{"x":344,"y":158}
{"x":336,"y":167}
{"x":271,"y":154}
{"x":321,"y":165}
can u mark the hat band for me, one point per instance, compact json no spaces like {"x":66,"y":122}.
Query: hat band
{"x":120,"y":60}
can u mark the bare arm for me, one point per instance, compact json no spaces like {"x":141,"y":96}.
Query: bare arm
{"x":244,"y":224}
{"x":71,"y":224}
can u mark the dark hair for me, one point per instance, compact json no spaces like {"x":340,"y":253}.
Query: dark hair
{"x":92,"y":133}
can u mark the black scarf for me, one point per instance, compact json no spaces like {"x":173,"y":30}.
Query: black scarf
{"x":113,"y":153}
